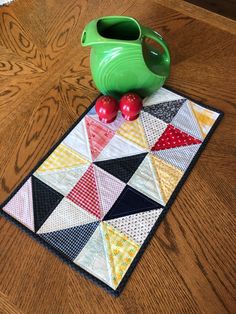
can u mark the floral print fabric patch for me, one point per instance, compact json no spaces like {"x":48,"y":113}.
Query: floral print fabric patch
{"x":99,"y":195}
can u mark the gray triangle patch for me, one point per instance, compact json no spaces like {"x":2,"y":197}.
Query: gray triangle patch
{"x":186,"y":121}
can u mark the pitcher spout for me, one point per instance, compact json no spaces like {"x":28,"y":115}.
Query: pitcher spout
{"x":90,"y":35}
{"x":111,"y":30}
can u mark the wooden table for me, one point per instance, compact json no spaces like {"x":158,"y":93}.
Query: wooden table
{"x":45,"y":84}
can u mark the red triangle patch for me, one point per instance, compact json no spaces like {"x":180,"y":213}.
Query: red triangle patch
{"x":85,"y":194}
{"x":173,"y":137}
{"x":98,"y":136}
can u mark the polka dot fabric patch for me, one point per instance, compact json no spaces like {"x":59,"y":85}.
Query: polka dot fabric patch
{"x":98,"y":197}
{"x":173,"y":137}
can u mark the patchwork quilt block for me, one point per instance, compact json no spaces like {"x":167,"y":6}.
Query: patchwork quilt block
{"x":100,"y":194}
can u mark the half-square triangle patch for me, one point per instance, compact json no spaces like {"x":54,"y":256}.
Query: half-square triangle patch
{"x":62,"y":158}
{"x":66,"y":215}
{"x":173,"y":137}
{"x":185,"y":120}
{"x":62,"y":180}
{"x":78,"y":141}
{"x":94,"y":259}
{"x":45,"y":200}
{"x":168,"y":176}
{"x":145,"y":181}
{"x":205,"y":117}
{"x":121,"y":251}
{"x":134,"y":132}
{"x":119,"y":147}
{"x":179,"y":157}
{"x":21,"y":205}
{"x":130,"y":202}
{"x":165,"y":111}
{"x":160,"y":96}
{"x":85,"y":193}
{"x":70,"y":241}
{"x":109,"y":188}
{"x":138,"y":226}
{"x":153,"y":127}
{"x":122,"y":168}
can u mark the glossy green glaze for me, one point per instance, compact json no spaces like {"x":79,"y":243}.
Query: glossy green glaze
{"x":121,"y":60}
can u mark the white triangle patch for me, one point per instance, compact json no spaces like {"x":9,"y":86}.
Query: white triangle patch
{"x":93,"y":258}
{"x":162,"y":95}
{"x":66,"y":215}
{"x":63,"y":180}
{"x":153,"y":127}
{"x":186,"y":121}
{"x":145,"y":181}
{"x":78,"y":140}
{"x":119,"y":147}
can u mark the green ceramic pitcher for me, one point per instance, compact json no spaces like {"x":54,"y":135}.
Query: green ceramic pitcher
{"x":121,"y":60}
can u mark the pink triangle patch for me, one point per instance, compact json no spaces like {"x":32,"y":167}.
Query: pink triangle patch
{"x":173,"y":137}
{"x":21,"y":205}
{"x":98,"y":136}
{"x":85,"y":194}
{"x":109,"y":189}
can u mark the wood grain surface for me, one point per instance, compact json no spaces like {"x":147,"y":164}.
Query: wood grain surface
{"x":45,"y":84}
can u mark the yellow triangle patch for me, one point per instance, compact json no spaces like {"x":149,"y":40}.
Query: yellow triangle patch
{"x":121,"y":251}
{"x":62,"y":158}
{"x":168,"y":176}
{"x":204,"y":117}
{"x":133,"y":131}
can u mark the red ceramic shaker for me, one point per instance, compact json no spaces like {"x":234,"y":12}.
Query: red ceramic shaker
{"x":130,"y":106}
{"x":106,"y":108}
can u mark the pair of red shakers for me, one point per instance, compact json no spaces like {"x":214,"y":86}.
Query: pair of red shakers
{"x":107,"y":107}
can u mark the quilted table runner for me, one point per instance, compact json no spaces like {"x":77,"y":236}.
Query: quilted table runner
{"x":98,"y":196}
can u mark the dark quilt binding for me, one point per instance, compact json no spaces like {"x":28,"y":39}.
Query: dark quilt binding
{"x":150,"y":235}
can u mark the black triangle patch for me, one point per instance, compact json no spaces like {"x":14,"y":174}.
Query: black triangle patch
{"x":45,"y":200}
{"x":165,"y":111}
{"x":131,"y":202}
{"x":72,"y":240}
{"x":122,"y":168}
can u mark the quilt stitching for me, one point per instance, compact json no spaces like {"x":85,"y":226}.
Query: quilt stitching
{"x":85,"y":201}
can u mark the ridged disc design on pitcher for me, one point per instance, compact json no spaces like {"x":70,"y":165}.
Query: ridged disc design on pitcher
{"x":118,"y":70}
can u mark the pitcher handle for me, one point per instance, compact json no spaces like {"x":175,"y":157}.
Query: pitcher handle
{"x":149,"y":33}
